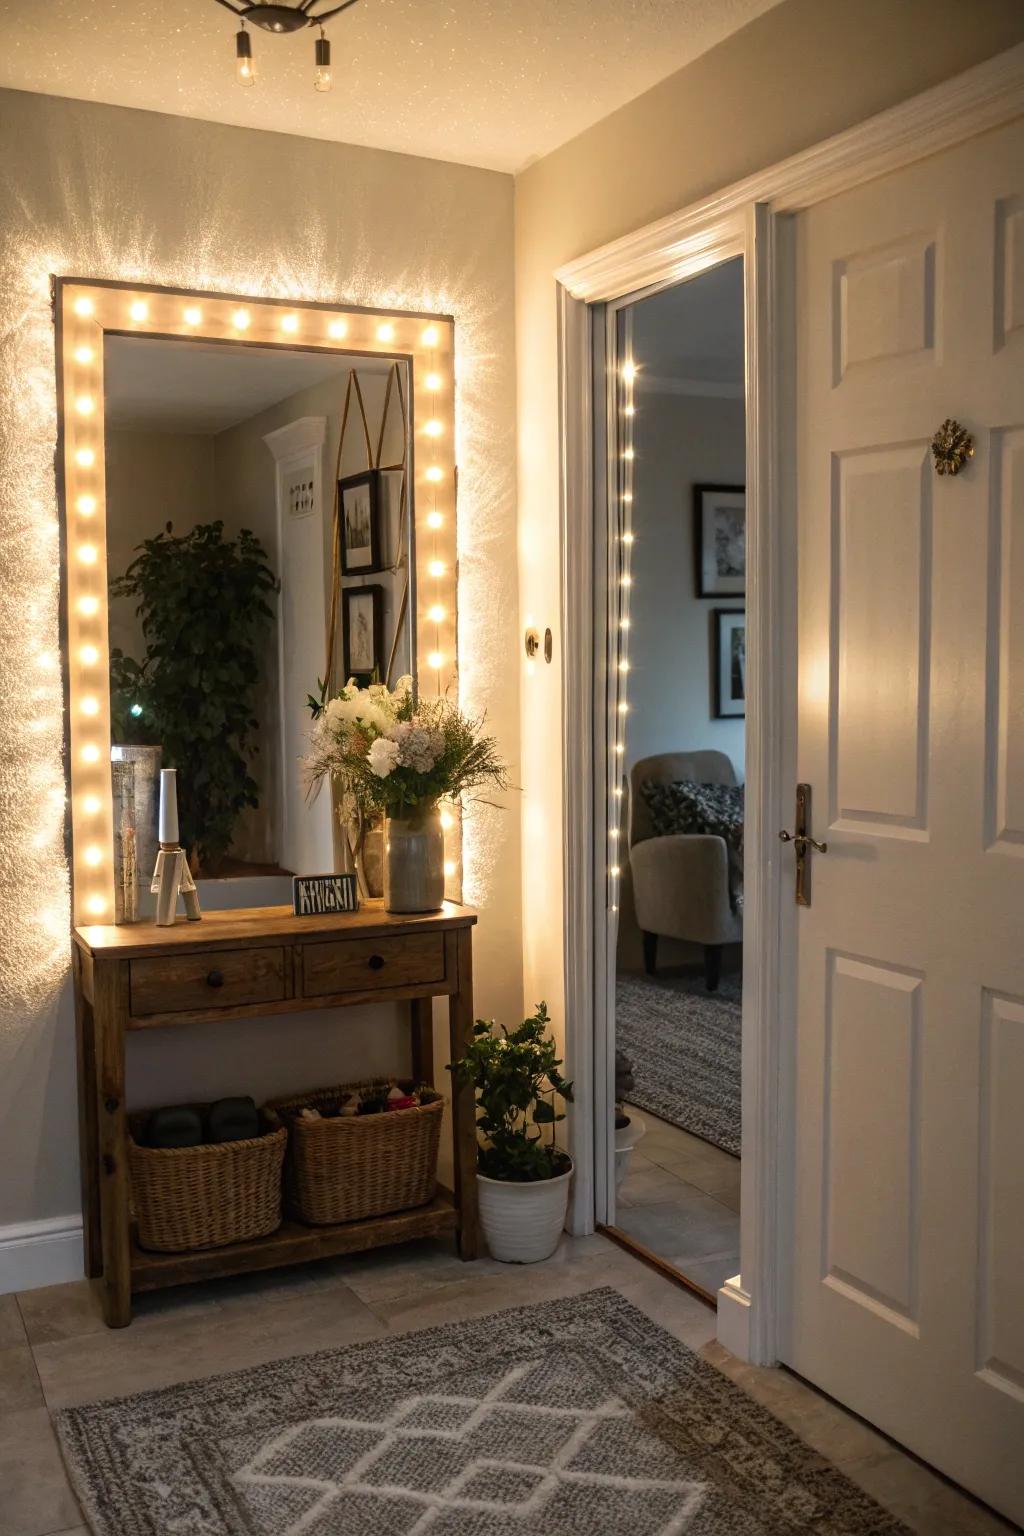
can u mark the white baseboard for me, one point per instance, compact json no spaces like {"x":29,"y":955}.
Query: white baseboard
{"x":733,"y":1331}
{"x":36,"y":1253}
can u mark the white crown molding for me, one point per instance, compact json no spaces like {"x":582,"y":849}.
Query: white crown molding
{"x":297,"y":436}
{"x":984,"y":97}
{"x":37,"y":1253}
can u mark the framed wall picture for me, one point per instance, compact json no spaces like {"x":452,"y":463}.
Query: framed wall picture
{"x":720,"y":520}
{"x":363,"y":628}
{"x":729,"y":663}
{"x":359,"y":498}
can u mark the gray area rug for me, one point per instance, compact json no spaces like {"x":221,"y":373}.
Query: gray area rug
{"x":684,"y":1043}
{"x":577,"y":1417}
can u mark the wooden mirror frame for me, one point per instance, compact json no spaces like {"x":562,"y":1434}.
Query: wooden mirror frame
{"x":85,"y":310}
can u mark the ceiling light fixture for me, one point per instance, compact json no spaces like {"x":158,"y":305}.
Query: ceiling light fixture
{"x":282,"y":19}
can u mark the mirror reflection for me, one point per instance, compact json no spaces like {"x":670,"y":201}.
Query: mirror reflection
{"x":231,"y":603}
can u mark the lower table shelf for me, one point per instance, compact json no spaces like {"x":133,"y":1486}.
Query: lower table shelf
{"x":292,"y":1243}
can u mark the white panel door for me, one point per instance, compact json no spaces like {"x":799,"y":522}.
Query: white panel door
{"x":908,"y":1270}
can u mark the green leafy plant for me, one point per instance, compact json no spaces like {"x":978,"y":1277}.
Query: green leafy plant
{"x":518,"y":1083}
{"x":202,"y":599}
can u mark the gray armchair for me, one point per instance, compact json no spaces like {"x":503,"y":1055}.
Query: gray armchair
{"x":681,"y":882}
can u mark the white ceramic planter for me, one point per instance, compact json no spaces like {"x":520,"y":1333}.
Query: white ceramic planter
{"x":523,"y":1222}
{"x":626,"y":1138}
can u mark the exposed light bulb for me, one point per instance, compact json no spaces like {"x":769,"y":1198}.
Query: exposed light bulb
{"x":91,"y":753}
{"x":92,"y":805}
{"x":245,"y":68}
{"x":322,"y":73}
{"x":86,"y":505}
{"x":447,"y":821}
{"x":87,"y":554}
{"x":290,"y":323}
{"x":436,"y":567}
{"x":623,"y":665}
{"x":386,"y":332}
{"x":435,"y":472}
{"x":85,"y":405}
{"x":623,"y":623}
{"x":85,"y":457}
{"x":628,"y":454}
{"x":629,"y":410}
{"x":240,"y":319}
{"x":90,"y":706}
{"x":433,"y":428}
{"x":614,"y":871}
{"x":627,"y":538}
{"x":139,"y":310}
{"x":433,"y":381}
{"x":619,"y":749}
{"x":337,"y":329}
{"x":93,"y":855}
{"x":434,"y":519}
{"x":629,"y":372}
{"x":429,"y":336}
{"x":627,"y":497}
{"x":96,"y":906}
{"x":435,"y":660}
{"x":193,"y":315}
{"x":436,"y":615}
{"x":83,"y":355}
{"x":88,"y":606}
{"x":89,"y":655}
{"x":626,"y":580}
{"x":83,"y":306}
{"x":449,"y":868}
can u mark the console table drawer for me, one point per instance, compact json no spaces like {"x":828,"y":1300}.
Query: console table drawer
{"x":361,"y":965}
{"x":220,"y":978}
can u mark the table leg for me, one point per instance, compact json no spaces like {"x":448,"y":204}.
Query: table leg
{"x":88,"y":1153}
{"x":422,"y":1009}
{"x":460,"y":1015}
{"x":109,"y":1016}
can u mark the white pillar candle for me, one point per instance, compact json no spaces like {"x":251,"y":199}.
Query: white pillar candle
{"x":169,"y":806}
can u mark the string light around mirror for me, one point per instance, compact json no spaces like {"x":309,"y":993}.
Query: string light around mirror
{"x":621,"y":589}
{"x":85,"y":312}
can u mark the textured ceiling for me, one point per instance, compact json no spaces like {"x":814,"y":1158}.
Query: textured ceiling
{"x":485,"y":82}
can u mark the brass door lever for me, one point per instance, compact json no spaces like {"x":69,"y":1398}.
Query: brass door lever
{"x":802,"y":841}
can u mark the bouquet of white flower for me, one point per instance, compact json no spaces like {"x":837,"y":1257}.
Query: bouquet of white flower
{"x":397,"y":755}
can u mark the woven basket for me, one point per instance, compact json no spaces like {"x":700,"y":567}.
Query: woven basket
{"x":354,"y":1166}
{"x":186,"y":1198}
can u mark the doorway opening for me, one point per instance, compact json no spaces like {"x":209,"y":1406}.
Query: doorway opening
{"x":673,"y":718}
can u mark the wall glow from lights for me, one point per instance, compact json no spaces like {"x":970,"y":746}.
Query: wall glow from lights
{"x":85,"y":312}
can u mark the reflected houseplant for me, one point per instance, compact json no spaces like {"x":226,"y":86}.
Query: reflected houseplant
{"x":398,"y":756}
{"x":523,"y":1175}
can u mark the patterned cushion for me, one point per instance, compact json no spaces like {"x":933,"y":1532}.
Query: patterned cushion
{"x":715,"y":809}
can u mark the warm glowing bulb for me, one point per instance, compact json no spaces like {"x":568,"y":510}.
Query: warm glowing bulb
{"x":92,"y":805}
{"x":629,"y":410}
{"x":627,"y":497}
{"x":289,"y":323}
{"x":619,"y":749}
{"x":86,"y":505}
{"x":87,"y":554}
{"x":626,"y":580}
{"x":613,"y":832}
{"x":617,"y":791}
{"x":85,"y":457}
{"x":88,"y":606}
{"x":435,"y":472}
{"x":96,"y":906}
{"x":623,"y":709}
{"x":433,"y":381}
{"x":90,"y":706}
{"x":449,"y":868}
{"x":93,"y":855}
{"x":436,"y":615}
{"x":433,"y":428}
{"x":83,"y":355}
{"x":89,"y":655}
{"x":139,"y":310}
{"x":193,"y":315}
{"x":337,"y":329}
{"x":429,"y":337}
{"x":623,"y":666}
{"x":629,"y":454}
{"x":614,"y":871}
{"x":629,"y":372}
{"x":623,"y":623}
{"x":386,"y":332}
{"x":240,"y":319}
{"x":435,"y":660}
{"x":627,"y":538}
{"x":447,"y":821}
{"x":83,"y":306}
{"x":436,"y":567}
{"x":91,"y":753}
{"x":434,"y":519}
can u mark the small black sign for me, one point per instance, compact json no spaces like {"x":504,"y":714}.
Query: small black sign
{"x":320,"y":895}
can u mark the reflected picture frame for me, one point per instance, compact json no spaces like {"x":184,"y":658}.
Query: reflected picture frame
{"x":729,"y":663}
{"x":359,"y":503}
{"x":720,"y":518}
{"x":362,"y":625}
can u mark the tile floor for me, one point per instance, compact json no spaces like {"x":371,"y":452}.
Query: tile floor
{"x":54,"y":1350}
{"x":681,"y":1199}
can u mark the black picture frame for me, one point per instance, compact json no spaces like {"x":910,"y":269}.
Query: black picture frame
{"x":354,"y":599}
{"x":366,"y":558}
{"x":729,"y":691}
{"x":704,"y":502}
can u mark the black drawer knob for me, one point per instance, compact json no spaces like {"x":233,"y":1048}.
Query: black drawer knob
{"x":376,"y":962}
{"x":215,"y":979}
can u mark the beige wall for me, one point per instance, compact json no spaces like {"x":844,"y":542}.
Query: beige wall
{"x":107,"y":192}
{"x":803,"y":71}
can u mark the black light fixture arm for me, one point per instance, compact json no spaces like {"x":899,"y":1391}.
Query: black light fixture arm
{"x":305,"y":6}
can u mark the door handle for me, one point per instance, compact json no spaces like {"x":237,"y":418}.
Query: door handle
{"x":802,"y":841}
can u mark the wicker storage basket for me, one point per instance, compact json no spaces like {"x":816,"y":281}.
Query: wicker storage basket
{"x":353,"y":1166}
{"x":186,"y":1198}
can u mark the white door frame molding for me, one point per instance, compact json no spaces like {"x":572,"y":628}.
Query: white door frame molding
{"x":746,"y":218}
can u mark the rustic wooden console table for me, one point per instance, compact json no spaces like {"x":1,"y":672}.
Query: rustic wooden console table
{"x":253,"y":963}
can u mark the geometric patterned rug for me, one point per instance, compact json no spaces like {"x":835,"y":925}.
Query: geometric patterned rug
{"x":571,"y":1418}
{"x":684,"y":1043}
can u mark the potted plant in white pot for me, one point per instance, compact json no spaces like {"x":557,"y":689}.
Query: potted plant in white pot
{"x":629,"y":1128}
{"x":523,"y":1177}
